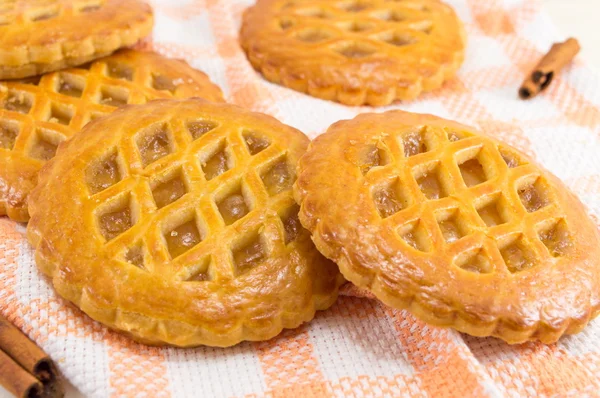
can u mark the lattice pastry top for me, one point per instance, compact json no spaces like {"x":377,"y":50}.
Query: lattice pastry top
{"x":460,"y":229}
{"x":174,"y":222}
{"x":40,"y":36}
{"x":37,"y":114}
{"x":354,"y":51}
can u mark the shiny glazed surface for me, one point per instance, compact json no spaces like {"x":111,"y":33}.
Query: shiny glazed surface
{"x":354,"y":51}
{"x":40,"y":36}
{"x":462,"y":230}
{"x":137,"y":226}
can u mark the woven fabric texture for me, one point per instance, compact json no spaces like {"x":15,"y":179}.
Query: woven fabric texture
{"x":359,"y":347}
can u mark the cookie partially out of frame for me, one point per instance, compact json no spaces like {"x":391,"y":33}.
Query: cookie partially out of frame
{"x":181,"y":225}
{"x":354,"y":51}
{"x":41,"y":36}
{"x":39,"y":113}
{"x":460,"y":229}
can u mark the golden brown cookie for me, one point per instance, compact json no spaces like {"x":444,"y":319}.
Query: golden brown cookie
{"x":354,"y":51}
{"x":41,"y":36}
{"x":462,"y":230}
{"x":37,"y":114}
{"x":175,"y":222}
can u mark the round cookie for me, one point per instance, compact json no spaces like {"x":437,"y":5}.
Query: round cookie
{"x":41,"y":36}
{"x":462,"y":230}
{"x":354,"y":51}
{"x":39,"y":113}
{"x":181,"y":225}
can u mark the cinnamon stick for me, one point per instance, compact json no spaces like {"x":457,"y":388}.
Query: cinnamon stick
{"x":17,"y":380}
{"x":560,"y":54}
{"x":21,"y":357}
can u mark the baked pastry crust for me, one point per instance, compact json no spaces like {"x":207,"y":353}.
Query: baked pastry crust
{"x":41,"y":36}
{"x":175,"y":222}
{"x":462,"y":230}
{"x":37,"y":114}
{"x":354,"y":51}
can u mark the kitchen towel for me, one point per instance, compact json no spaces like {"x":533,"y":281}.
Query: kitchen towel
{"x":359,"y":347}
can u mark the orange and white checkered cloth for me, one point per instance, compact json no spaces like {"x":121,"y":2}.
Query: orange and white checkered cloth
{"x":359,"y":347}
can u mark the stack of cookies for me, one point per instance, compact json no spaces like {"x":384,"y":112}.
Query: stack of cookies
{"x":176,"y":218}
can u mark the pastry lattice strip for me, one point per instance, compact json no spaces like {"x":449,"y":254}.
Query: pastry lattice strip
{"x":358,"y":28}
{"x":481,"y":201}
{"x":38,"y":115}
{"x":195,"y":199}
